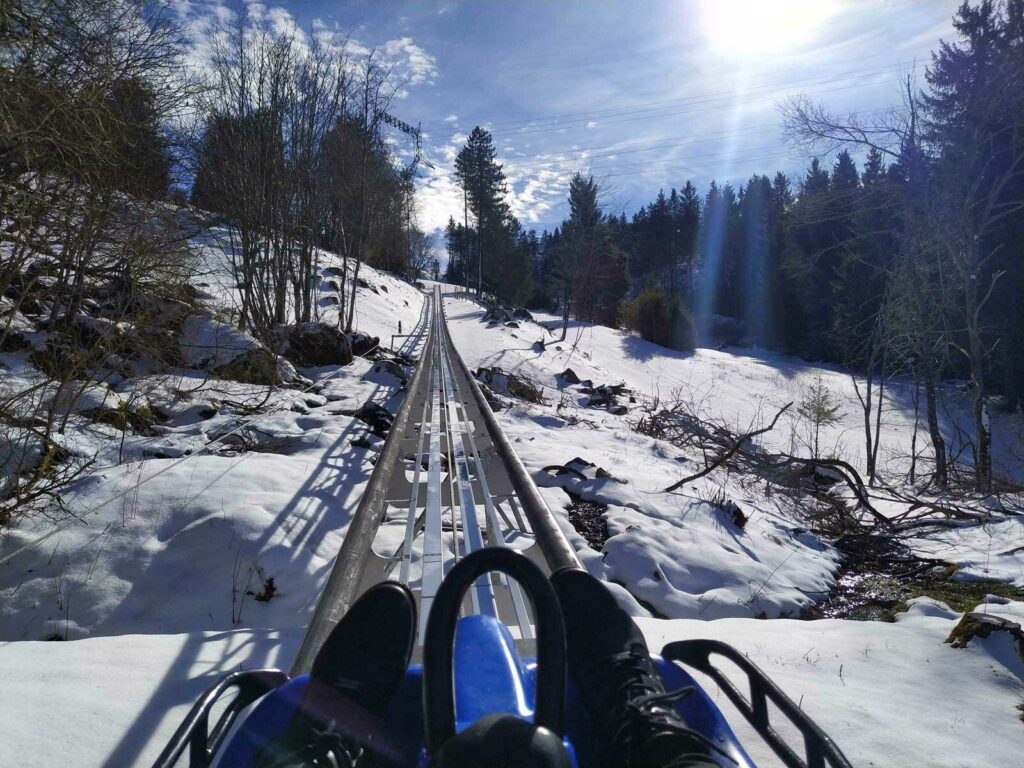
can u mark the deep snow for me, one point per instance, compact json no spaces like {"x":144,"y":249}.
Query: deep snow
{"x":773,"y":566}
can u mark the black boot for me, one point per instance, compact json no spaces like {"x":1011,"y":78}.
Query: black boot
{"x":367,"y":652}
{"x":355,"y":674}
{"x":612,"y":670}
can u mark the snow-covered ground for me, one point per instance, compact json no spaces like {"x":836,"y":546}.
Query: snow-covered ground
{"x":161,"y":586}
{"x":678,"y":551}
{"x":889,"y":694}
{"x":185,"y":531}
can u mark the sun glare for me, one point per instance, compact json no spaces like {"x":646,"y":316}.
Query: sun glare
{"x":743,"y":28}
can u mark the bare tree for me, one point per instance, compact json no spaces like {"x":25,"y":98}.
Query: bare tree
{"x":915,"y":316}
{"x":88,"y":249}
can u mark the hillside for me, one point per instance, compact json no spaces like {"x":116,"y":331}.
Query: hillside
{"x":163,"y":591}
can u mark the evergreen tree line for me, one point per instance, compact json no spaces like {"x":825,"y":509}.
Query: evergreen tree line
{"x":494,"y":253}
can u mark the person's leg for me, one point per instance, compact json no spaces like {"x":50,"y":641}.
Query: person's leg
{"x":611,"y":668}
{"x":354,"y":676}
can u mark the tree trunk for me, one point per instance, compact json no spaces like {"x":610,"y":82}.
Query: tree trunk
{"x":878,"y":426}
{"x":913,"y":436}
{"x":941,"y":476}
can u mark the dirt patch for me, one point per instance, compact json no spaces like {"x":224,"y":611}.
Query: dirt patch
{"x":587,"y":517}
{"x":268,"y":593}
{"x":877,"y":580}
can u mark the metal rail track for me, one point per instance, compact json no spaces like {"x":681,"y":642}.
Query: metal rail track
{"x":447,"y":482}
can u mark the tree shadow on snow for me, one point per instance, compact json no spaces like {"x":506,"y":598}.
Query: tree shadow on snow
{"x":643,"y":350}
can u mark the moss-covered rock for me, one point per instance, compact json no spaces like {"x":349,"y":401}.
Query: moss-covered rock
{"x":982,"y":625}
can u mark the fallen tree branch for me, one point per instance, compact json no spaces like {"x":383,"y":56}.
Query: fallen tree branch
{"x":849,"y":475}
{"x":730,"y":451}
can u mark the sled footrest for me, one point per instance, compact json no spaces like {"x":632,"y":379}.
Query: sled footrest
{"x":819,"y":750}
{"x":195,"y":732}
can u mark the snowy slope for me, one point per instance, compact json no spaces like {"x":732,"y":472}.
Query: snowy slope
{"x":888,"y":694}
{"x":380,"y":307}
{"x":772,"y":566}
{"x":115,"y":701}
{"x":742,"y":386}
{"x":184,"y":531}
{"x":158,"y":589}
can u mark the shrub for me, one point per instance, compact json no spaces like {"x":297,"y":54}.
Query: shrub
{"x":659,"y":318}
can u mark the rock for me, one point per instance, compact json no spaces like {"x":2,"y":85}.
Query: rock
{"x":511,"y":324}
{"x":731,"y":508}
{"x":522,"y":314}
{"x":495,"y":402}
{"x":362,"y":344}
{"x":391,"y":368}
{"x":314,"y":344}
{"x":618,"y":410}
{"x":257,"y":366}
{"x":525,"y":390}
{"x":494,"y":377}
{"x":167,"y":450}
{"x":982,"y":625}
{"x":569,"y":376}
{"x":604,"y":396}
{"x":377,"y":417}
{"x":385,"y":289}
{"x":511,"y":384}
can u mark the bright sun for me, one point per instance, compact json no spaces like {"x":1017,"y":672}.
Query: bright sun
{"x":743,"y":28}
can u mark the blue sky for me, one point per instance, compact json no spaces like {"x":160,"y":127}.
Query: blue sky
{"x":643,"y":94}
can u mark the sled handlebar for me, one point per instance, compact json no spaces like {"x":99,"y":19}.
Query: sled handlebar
{"x":438,"y":662}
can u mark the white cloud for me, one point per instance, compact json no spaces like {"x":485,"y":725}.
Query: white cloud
{"x":534,"y":193}
{"x":452,"y":119}
{"x":591,"y":124}
{"x":438,"y":196}
{"x":412,"y":63}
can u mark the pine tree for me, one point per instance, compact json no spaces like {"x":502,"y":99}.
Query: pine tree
{"x":592,"y":274}
{"x":688,"y":228}
{"x":975,"y":125}
{"x":821,"y":409}
{"x":483,"y":182}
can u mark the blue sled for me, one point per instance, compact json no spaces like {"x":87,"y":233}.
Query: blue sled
{"x":480,"y":655}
